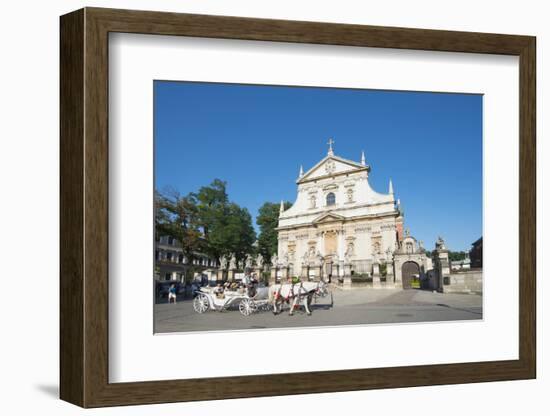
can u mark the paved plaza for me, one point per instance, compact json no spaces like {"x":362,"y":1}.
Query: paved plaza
{"x":354,"y":307}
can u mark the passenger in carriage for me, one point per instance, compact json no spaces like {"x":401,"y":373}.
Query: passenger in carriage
{"x":219,"y":291}
{"x":252,"y":288}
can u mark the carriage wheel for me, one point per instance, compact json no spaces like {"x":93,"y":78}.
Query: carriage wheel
{"x":200,"y":304}
{"x":247,"y":307}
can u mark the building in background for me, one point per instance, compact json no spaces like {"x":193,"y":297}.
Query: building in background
{"x":463,"y":264}
{"x":476,"y":254}
{"x":172,"y":264}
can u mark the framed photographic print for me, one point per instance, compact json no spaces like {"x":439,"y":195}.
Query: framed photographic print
{"x":255,"y":207}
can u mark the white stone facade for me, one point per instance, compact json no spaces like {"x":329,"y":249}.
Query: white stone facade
{"x":338,"y":219}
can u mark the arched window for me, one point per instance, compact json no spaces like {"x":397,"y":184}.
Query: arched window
{"x":331,"y":199}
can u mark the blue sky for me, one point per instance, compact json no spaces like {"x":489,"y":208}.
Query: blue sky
{"x":256,"y":137}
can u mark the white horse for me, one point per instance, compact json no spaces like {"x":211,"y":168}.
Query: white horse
{"x":295,"y":294}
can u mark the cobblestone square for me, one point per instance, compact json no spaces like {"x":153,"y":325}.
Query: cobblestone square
{"x":353,"y":307}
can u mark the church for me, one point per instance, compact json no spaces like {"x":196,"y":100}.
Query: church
{"x":338,"y":225}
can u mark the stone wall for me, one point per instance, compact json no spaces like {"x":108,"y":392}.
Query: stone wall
{"x":470,"y":281}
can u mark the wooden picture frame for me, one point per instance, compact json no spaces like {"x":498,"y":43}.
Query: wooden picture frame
{"x":84,"y":207}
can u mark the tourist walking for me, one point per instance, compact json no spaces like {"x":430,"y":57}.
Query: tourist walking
{"x":172,"y":293}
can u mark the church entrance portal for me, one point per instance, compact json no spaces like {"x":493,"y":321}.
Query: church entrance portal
{"x":410,"y":275}
{"x":331,"y":245}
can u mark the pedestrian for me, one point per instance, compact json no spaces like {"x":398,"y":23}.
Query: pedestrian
{"x":172,"y":293}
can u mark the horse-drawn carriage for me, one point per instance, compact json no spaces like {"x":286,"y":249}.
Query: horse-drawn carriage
{"x":253,"y":298}
{"x":249,"y":299}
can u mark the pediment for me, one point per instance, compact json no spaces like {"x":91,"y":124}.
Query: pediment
{"x":331,"y":165}
{"x":328,"y":217}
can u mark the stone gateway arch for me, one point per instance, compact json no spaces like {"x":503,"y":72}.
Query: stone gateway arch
{"x":410,"y":272}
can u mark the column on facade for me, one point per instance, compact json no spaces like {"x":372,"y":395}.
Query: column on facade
{"x":341,"y":252}
{"x":321,"y":248}
{"x":321,"y":243}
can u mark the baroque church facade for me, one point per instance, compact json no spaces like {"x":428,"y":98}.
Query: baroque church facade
{"x":338,"y":224}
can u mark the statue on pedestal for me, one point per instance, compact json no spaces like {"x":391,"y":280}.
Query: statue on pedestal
{"x":233,"y":262}
{"x":274,"y":260}
{"x":348,"y":255}
{"x":248,"y":263}
{"x":319,"y":258}
{"x":305,"y":259}
{"x":223,"y":262}
{"x":284,"y":259}
{"x":440,"y":244}
{"x":260,"y":262}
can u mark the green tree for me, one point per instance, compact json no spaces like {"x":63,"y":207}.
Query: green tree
{"x":227,"y":227}
{"x":205,"y":221}
{"x":457,"y":255}
{"x":233,"y":232}
{"x":177,"y":217}
{"x":212,"y":202}
{"x":268,"y":220}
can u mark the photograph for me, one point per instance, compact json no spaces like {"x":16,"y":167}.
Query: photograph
{"x":280,"y":206}
{"x":341,"y":206}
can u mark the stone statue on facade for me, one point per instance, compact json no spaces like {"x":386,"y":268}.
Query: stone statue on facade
{"x":284,"y":259}
{"x":319,"y":257}
{"x":348,"y":255}
{"x":233,"y":262}
{"x":376,"y":247}
{"x":305,"y":258}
